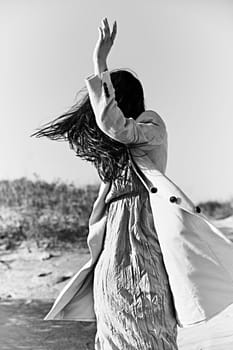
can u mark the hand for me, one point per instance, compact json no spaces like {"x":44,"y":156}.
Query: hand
{"x":104,"y":43}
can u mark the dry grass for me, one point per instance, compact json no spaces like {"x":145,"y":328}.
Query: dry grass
{"x":56,"y":214}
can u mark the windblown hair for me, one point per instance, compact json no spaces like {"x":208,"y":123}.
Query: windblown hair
{"x":78,"y":126}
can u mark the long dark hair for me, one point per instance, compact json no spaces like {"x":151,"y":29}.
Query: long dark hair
{"x":78,"y":126}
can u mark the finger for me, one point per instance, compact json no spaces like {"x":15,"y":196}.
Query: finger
{"x":101,"y":35}
{"x":114,"y":31}
{"x":106,"y":24}
{"x":106,"y":27}
{"x":103,"y":28}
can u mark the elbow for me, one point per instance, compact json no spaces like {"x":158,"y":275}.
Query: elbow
{"x":111,"y":122}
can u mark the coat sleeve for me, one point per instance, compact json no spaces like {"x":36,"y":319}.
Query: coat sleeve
{"x":111,"y":120}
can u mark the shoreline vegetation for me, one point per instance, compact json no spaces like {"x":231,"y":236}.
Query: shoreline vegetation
{"x":53,"y":215}
{"x":56,"y":214}
{"x":43,"y":233}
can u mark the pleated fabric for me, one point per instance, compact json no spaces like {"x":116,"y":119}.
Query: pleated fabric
{"x":132,"y":296}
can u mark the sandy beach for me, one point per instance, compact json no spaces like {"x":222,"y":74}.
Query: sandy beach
{"x":29,"y":273}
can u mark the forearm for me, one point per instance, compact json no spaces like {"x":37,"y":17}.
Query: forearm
{"x":100,"y":66}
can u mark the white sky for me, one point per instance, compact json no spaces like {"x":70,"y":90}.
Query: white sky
{"x":182,"y":52}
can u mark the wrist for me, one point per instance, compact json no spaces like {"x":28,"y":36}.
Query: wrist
{"x":100,"y":66}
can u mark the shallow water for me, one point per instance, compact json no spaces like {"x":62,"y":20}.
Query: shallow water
{"x":22,"y":327}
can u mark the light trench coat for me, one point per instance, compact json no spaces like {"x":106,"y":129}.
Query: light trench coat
{"x":197,"y":256}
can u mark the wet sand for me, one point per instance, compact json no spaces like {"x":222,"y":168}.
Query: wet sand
{"x":22,"y":327}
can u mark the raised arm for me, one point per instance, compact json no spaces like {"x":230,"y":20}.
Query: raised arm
{"x":147,"y":128}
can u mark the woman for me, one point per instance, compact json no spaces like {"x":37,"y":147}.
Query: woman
{"x":133,"y":301}
{"x":155,"y":260}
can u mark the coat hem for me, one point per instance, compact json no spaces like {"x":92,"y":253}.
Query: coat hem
{"x":204,"y":320}
{"x":71,"y":319}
